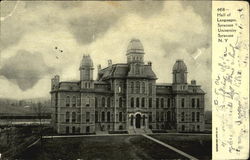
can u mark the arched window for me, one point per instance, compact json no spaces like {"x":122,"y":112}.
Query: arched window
{"x":67,"y":101}
{"x":73,"y":117}
{"x":120,"y":102}
{"x":143,"y":102}
{"x":132,"y":120}
{"x":162,"y":102}
{"x":67,"y":117}
{"x":108,"y":116}
{"x":182,"y":102}
{"x":73,"y":101}
{"x":150,"y":102}
{"x":103,"y":101}
{"x":132,"y":87}
{"x":143,"y":87}
{"x":137,"y":87}
{"x":103,"y":116}
{"x":132,"y":102}
{"x":108,"y":102}
{"x":137,"y":102}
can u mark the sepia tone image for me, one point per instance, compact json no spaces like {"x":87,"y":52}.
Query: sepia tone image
{"x":105,"y":80}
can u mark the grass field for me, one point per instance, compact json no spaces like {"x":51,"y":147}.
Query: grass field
{"x":197,"y":146}
{"x":101,"y":147}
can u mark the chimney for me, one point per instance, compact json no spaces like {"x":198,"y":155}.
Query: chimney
{"x":99,"y":67}
{"x":109,"y":62}
{"x":193,"y":82}
{"x":150,"y":63}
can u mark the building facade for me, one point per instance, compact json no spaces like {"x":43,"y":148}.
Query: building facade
{"x":126,"y":97}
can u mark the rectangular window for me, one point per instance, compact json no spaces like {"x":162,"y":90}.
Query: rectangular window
{"x":193,"y":103}
{"x":182,"y":102}
{"x":150,"y":102}
{"x":87,"y":116}
{"x":157,"y":117}
{"x":182,"y":116}
{"x":120,"y":116}
{"x":193,"y":116}
{"x":157,"y":102}
{"x":150,"y":117}
{"x":87,"y":102}
{"x":198,"y":116}
{"x":96,"y":102}
{"x":169,"y":102}
{"x":96,"y":116}
{"x":198,"y":103}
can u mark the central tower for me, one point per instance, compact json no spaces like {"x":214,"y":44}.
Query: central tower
{"x":135,"y":52}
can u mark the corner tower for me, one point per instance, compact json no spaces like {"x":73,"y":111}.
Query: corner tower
{"x":86,"y":72}
{"x":135,"y":52}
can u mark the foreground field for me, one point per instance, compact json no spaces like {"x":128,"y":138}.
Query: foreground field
{"x":100,"y":147}
{"x":197,"y":146}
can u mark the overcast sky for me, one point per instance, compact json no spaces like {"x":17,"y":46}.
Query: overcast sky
{"x":41,"y":39}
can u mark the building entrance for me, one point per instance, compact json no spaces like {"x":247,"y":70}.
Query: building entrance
{"x":138,"y":121}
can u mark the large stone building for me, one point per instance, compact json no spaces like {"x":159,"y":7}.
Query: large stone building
{"x":125,"y":96}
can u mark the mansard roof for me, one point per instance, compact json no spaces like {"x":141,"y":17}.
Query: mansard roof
{"x":121,"y":70}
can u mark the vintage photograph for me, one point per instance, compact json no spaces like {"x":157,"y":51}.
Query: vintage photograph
{"x":105,"y":80}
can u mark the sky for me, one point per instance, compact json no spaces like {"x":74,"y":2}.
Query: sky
{"x":44,"y":38}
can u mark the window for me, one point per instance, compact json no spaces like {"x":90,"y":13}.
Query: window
{"x":73,"y":117}
{"x":150,"y":102}
{"x":103,"y":101}
{"x":67,"y":117}
{"x":198,"y":103}
{"x":168,"y":116}
{"x":103,"y":116}
{"x":162,"y":103}
{"x":193,"y":102}
{"x":120,"y":102}
{"x":108,"y":102}
{"x":73,"y":101}
{"x":67,"y":130}
{"x":157,"y":102}
{"x":137,"y":102}
{"x":143,"y":87}
{"x":132,"y":87}
{"x":67,"y":101}
{"x":87,"y":102}
{"x":198,"y":116}
{"x":73,"y":130}
{"x":137,"y":87}
{"x":108,"y":116}
{"x":143,"y":120}
{"x":182,"y":116}
{"x":87,"y":116}
{"x":96,"y":102}
{"x":150,"y":117}
{"x":198,"y":127}
{"x":78,"y":117}
{"x":96,"y":116}
{"x":157,"y":117}
{"x":87,"y":129}
{"x":150,"y":88}
{"x":120,"y":127}
{"x":132,"y":120}
{"x":193,"y":116}
{"x":182,"y":102}
{"x":162,"y":116}
{"x":78,"y":101}
{"x":183,"y":128}
{"x":143,"y":102}
{"x":169,"y":102}
{"x":120,"y":116}
{"x":132,"y":102}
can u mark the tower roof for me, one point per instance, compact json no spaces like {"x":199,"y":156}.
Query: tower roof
{"x":179,"y":66}
{"x":86,"y":61}
{"x":135,"y":46}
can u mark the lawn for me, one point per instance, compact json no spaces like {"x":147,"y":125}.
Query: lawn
{"x":199,"y":146}
{"x":99,"y":147}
